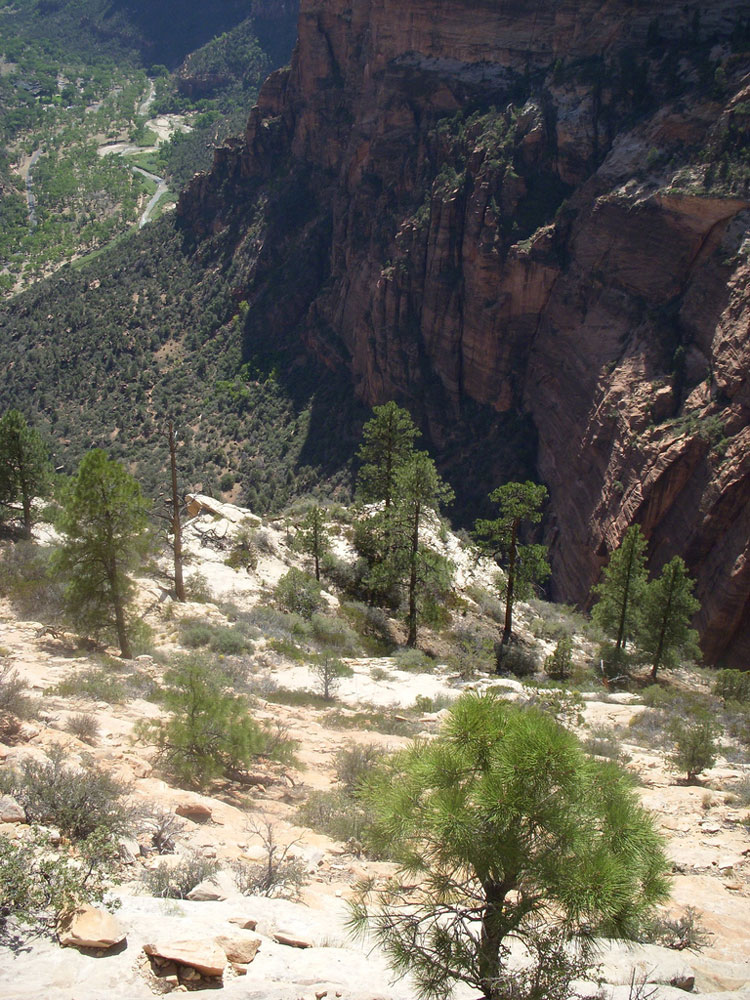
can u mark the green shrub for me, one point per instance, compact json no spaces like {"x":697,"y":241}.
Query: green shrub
{"x":332,"y":634}
{"x":96,"y":683}
{"x":39,"y":883}
{"x":740,"y":791}
{"x":372,"y":625}
{"x":77,"y":801}
{"x":83,"y":726}
{"x":559,"y":664}
{"x":299,"y":593}
{"x":733,"y":685}
{"x":414,"y":661}
{"x":517,"y":659}
{"x":244,"y":554}
{"x":355,"y":763}
{"x":474,"y":652}
{"x":604,"y":742}
{"x":210,"y":732}
{"x":14,"y":699}
{"x":26,"y":580}
{"x":175,"y":881}
{"x":227,"y":641}
{"x":336,"y":814}
{"x":197,"y":588}
{"x":679,"y":933}
{"x":564,"y":706}
{"x":195,"y":634}
{"x":694,"y":746}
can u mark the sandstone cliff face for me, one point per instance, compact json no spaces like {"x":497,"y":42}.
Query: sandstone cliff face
{"x":513,"y":215}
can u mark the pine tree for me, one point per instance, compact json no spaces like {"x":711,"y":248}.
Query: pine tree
{"x":418,"y":489}
{"x":104,"y":517}
{"x":387,"y":444}
{"x":622,"y":589}
{"x":668,"y":606}
{"x":25,"y":469}
{"x":503,"y":828}
{"x":312,"y":536}
{"x":518,"y":503}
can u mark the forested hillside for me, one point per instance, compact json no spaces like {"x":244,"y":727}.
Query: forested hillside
{"x":92,"y":119}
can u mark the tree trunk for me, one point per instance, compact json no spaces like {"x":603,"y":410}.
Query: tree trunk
{"x":626,"y":594}
{"x":663,"y":631}
{"x":126,"y":651}
{"x":179,"y":584}
{"x":491,"y":938}
{"x":508,"y":627}
{"x":411,"y":640}
{"x":26,"y":516}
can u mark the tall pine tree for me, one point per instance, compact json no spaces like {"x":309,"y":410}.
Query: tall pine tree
{"x":104,"y":518}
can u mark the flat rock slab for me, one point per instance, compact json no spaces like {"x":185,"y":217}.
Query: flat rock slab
{"x":281,"y":937}
{"x":89,"y":927}
{"x":649,"y":963}
{"x":204,"y":956}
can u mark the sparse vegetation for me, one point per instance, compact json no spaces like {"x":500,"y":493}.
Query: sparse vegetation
{"x":78,"y":801}
{"x":175,"y":881}
{"x":279,"y":874}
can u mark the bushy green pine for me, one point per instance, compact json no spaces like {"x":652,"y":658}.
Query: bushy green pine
{"x":668,"y":606}
{"x":25,"y":468}
{"x":621,"y":592}
{"x":104,"y":520}
{"x":210,"y":732}
{"x":525,"y":565}
{"x":387,"y":444}
{"x":503,"y":828}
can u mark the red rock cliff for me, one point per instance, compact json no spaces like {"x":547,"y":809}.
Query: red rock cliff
{"x":529,"y":222}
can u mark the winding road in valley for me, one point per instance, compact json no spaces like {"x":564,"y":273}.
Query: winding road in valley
{"x":30,"y":200}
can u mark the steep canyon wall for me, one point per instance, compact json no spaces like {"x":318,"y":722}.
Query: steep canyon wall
{"x":529,"y":222}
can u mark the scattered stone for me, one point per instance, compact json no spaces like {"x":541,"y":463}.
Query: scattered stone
{"x":281,"y":937}
{"x":205,"y":956}
{"x":196,"y":811}
{"x":709,"y":827}
{"x":129,"y":850}
{"x":206,"y":891}
{"x":246,"y":923}
{"x":241,"y":948}
{"x":11,"y":811}
{"x":89,"y":927}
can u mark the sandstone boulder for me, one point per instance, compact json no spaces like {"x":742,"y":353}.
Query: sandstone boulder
{"x":204,"y":956}
{"x":240,"y":948}
{"x":89,"y":927}
{"x":198,"y":812}
{"x":206,"y":891}
{"x":11,"y":811}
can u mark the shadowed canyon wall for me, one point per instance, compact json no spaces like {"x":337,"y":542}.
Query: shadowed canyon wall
{"x":528,"y":222}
